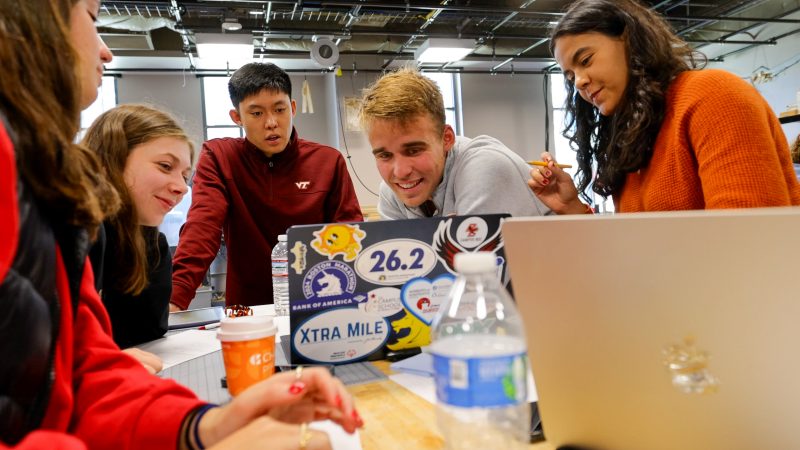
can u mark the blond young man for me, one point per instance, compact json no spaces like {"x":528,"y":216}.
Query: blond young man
{"x":429,"y":171}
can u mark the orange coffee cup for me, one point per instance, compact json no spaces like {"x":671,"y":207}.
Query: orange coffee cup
{"x":248,"y":350}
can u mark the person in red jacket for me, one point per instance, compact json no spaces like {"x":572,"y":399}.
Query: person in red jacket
{"x":252,"y":189}
{"x":652,"y":131}
{"x":63,"y":382}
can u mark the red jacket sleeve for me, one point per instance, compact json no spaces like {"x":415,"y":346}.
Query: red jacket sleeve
{"x":8,"y":203}
{"x":117,"y":403}
{"x":200,"y":239}
{"x":342,"y":204}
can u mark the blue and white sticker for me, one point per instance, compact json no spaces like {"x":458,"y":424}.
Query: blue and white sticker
{"x":340,"y":335}
{"x":423,"y":297}
{"x":329,"y":279}
{"x":395,"y":261}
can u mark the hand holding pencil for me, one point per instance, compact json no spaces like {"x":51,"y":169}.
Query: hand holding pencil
{"x":553,"y":186}
{"x":545,"y":164}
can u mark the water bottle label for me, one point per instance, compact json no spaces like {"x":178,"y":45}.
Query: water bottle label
{"x":280,"y":267}
{"x":481,"y":382}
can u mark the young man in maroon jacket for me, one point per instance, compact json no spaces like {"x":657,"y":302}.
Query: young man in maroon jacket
{"x":256,"y":187}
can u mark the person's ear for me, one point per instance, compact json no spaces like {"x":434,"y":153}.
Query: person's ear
{"x":235,"y":117}
{"x":448,"y":138}
{"x":294,"y":107}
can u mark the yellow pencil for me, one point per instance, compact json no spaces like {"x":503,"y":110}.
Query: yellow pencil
{"x":544,"y":164}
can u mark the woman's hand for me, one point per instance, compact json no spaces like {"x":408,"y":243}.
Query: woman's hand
{"x":267,"y":433}
{"x":555,"y":188}
{"x":151,"y":362}
{"x":296,"y":397}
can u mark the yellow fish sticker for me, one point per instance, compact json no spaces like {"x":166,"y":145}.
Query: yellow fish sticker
{"x":338,"y":238}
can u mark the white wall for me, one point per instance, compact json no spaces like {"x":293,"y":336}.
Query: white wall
{"x":509,"y":108}
{"x":175,"y":93}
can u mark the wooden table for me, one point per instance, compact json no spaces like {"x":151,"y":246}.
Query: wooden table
{"x":395,"y":418}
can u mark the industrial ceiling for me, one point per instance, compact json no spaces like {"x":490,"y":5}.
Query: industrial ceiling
{"x":508,"y":35}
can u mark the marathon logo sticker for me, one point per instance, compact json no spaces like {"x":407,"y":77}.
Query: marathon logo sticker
{"x":329,"y":279}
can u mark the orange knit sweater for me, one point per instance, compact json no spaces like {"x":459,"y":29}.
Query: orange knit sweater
{"x":720,"y":146}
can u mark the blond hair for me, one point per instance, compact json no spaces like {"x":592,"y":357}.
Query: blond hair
{"x":402,"y":96}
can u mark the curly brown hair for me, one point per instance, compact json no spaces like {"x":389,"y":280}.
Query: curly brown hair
{"x":795,"y":151}
{"x":623,"y":142}
{"x":113,"y":136}
{"x":40,"y":96}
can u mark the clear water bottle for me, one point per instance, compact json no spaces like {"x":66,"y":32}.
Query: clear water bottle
{"x":280,"y":276}
{"x":480,"y":361}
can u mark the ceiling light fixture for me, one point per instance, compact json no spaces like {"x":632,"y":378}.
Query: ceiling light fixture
{"x":440,"y":50}
{"x":217,"y":48}
{"x":231,"y":25}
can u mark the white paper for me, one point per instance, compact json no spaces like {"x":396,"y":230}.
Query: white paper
{"x":180,"y":347}
{"x":340,"y":440}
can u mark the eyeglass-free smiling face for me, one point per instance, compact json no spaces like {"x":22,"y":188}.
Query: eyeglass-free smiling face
{"x":410,"y":156}
{"x":155,"y":174}
{"x":597,"y":65}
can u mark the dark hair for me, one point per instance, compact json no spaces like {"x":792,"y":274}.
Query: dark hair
{"x":113,"y":136}
{"x":40,"y":96}
{"x":622,"y":143}
{"x":254,"y":77}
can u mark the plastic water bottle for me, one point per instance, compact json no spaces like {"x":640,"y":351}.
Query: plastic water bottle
{"x":280,"y":276}
{"x":480,"y":361}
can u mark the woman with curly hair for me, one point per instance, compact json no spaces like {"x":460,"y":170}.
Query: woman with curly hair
{"x":653,"y":131}
{"x":795,"y":152}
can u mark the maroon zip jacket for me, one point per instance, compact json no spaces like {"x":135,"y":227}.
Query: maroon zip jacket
{"x":254,"y":199}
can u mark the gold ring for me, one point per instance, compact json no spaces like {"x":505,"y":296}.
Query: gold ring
{"x":305,"y":435}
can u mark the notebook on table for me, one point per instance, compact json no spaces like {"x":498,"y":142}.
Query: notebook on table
{"x":663,"y":331}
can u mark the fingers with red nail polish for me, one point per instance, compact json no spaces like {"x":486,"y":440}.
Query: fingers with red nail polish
{"x":297,"y":388}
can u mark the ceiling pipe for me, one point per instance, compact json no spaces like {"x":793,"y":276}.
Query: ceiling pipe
{"x":540,"y":42}
{"x":720,"y":58}
{"x":406,"y":6}
{"x":175,"y":10}
{"x":417,"y":35}
{"x":223,"y":72}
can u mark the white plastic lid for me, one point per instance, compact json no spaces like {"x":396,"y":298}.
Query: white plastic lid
{"x":281,"y":238}
{"x":246,"y":328}
{"x":475,"y":262}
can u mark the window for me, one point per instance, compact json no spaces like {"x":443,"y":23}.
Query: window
{"x":450,"y":86}
{"x":563,"y":153}
{"x":106,"y":99}
{"x":216,"y":105}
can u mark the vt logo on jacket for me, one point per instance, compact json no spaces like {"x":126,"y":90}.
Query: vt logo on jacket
{"x":302,"y":185}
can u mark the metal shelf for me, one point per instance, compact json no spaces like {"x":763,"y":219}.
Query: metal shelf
{"x":790,"y":119}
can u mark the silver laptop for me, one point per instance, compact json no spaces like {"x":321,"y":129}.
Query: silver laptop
{"x":663,"y":330}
